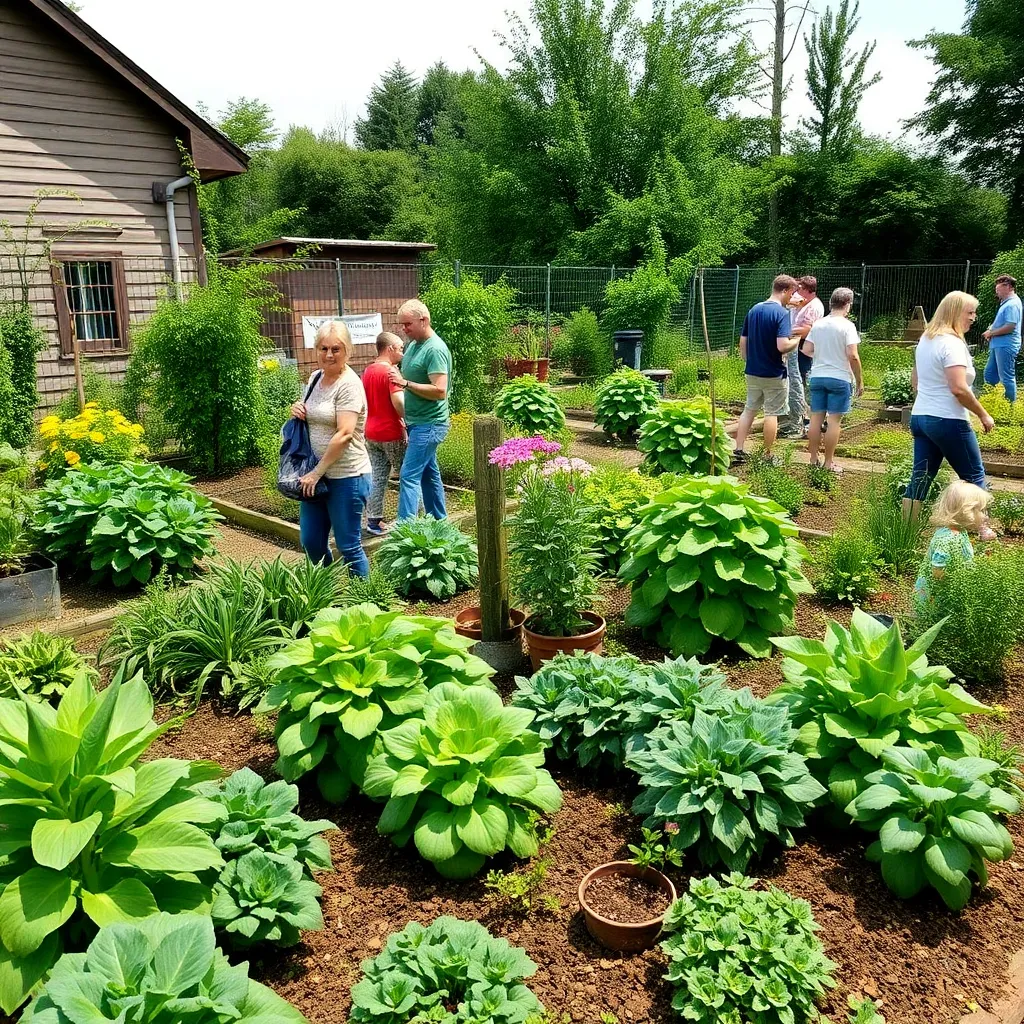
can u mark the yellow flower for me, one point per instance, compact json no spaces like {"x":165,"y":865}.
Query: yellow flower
{"x":47,"y":420}
{"x":72,"y":458}
{"x":76,"y":434}
{"x":54,"y":446}
{"x":43,"y":465}
{"x":97,"y":437}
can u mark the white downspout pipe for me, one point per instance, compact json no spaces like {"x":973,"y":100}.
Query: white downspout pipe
{"x":165,"y":193}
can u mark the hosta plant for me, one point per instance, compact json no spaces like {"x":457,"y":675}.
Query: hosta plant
{"x":739,"y":954}
{"x":624,"y":400}
{"x":453,"y":972}
{"x":92,"y":835}
{"x":263,"y":899}
{"x":428,"y":557}
{"x":676,"y":438}
{"x":528,"y":404}
{"x":40,"y":665}
{"x":358,"y":672}
{"x":728,"y":784}
{"x":709,"y":559}
{"x":937,"y":822}
{"x":464,"y":781}
{"x":859,"y":693}
{"x":161,"y":970}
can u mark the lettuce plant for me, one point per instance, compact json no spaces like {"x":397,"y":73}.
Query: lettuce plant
{"x":161,"y":970}
{"x":676,"y":438}
{"x":624,"y":401}
{"x":709,"y":559}
{"x":726,"y":784}
{"x":462,"y":781}
{"x":528,"y":404}
{"x":453,"y":972}
{"x":936,"y":819}
{"x":91,"y":833}
{"x":740,"y":954}
{"x":40,"y":665}
{"x":428,"y":557}
{"x":860,"y":693}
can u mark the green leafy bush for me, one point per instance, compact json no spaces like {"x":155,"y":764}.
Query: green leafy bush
{"x":624,"y":401}
{"x":936,"y":822}
{"x":775,"y":480}
{"x":453,"y":971}
{"x":161,"y":970}
{"x":676,"y":438}
{"x":729,"y":783}
{"x":821,"y":479}
{"x":123,"y":522}
{"x":20,"y":340}
{"x":463,"y":781}
{"x":739,"y":954}
{"x":428,"y":556}
{"x":583,"y":345}
{"x":615,"y":496}
{"x":378,"y":589}
{"x":1008,"y":508}
{"x":641,"y":300}
{"x":579,"y":396}
{"x":847,"y":567}
{"x":91,"y":832}
{"x":527,"y":404}
{"x":709,"y":559}
{"x":455,"y":452}
{"x":897,"y":387}
{"x":279,"y":386}
{"x":100,"y":389}
{"x":40,"y":665}
{"x":994,"y":746}
{"x":859,"y":693}
{"x":683,"y":382}
{"x":358,"y":672}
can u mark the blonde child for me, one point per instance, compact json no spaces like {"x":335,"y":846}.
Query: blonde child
{"x":960,"y":509}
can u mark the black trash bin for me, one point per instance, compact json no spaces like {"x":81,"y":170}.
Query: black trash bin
{"x":628,"y":345}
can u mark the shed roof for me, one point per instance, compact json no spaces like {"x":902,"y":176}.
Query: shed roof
{"x":344,"y":243}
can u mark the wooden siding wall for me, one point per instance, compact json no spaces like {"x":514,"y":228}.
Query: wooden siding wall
{"x":67,"y":122}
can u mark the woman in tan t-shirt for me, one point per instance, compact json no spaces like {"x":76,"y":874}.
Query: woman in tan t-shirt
{"x":335,"y":411}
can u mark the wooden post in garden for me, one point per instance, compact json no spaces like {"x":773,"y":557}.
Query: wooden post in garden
{"x":79,"y":379}
{"x":490,"y":534}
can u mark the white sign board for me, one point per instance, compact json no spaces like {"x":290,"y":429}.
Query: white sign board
{"x":364,"y":327}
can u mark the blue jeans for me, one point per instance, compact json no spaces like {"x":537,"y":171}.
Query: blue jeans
{"x":341,"y":508}
{"x":1001,"y":368}
{"x":937,"y":438}
{"x":420,"y":478}
{"x":797,"y":401}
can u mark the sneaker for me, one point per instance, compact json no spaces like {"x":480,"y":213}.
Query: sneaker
{"x":376,"y":527}
{"x":792,"y":434}
{"x":739,"y":457}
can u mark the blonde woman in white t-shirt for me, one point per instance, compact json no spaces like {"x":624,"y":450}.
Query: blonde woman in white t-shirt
{"x":940,"y":419}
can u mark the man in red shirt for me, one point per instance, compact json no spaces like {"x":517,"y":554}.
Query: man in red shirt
{"x":385,"y":425}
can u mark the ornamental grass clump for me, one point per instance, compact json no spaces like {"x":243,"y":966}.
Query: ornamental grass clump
{"x":428,"y":557}
{"x":464,"y":782}
{"x":624,"y":401}
{"x":709,"y":559}
{"x":530,"y":405}
{"x":676,"y":438}
{"x":94,"y":436}
{"x":359,"y":672}
{"x":40,"y":665}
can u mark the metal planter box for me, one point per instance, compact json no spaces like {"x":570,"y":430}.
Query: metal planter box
{"x":33,"y":594}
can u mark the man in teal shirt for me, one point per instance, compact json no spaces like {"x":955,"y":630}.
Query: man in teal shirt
{"x":1003,"y":338}
{"x":425,"y":374}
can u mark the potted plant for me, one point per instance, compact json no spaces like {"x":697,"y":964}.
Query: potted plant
{"x":526,"y":353}
{"x":468,"y":623}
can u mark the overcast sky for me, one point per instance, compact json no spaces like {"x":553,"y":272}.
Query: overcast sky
{"x":314,"y":61}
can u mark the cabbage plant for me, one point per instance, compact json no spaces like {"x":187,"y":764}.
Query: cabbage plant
{"x":676,"y":438}
{"x":358,"y":672}
{"x":464,"y":782}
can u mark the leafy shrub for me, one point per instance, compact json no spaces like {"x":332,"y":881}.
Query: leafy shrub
{"x":163,"y":969}
{"x":615,"y":495}
{"x":527,"y":404}
{"x":846,"y":564}
{"x":624,"y":400}
{"x":897,"y":387}
{"x":452,"y":965}
{"x":936,"y":824}
{"x":125,"y":858}
{"x":583,"y":346}
{"x":897,"y":538}
{"x":683,"y":382}
{"x":455,"y":452}
{"x":123,"y":522}
{"x":708,"y":559}
{"x":519,"y":891}
{"x":736,"y":953}
{"x":358,"y":672}
{"x":859,"y":693}
{"x":463,"y":780}
{"x":1008,"y":508}
{"x":821,"y":479}
{"x":676,"y":438}
{"x":290,"y":592}
{"x":378,"y":589}
{"x":994,"y":401}
{"x":641,"y":300}
{"x":9,"y":428}
{"x":428,"y":556}
{"x":93,"y":437}
{"x":40,"y":665}
{"x":100,"y":391}
{"x":279,"y":386}
{"x":20,"y":342}
{"x":728,"y":783}
{"x":1002,"y":439}
{"x":730,"y":379}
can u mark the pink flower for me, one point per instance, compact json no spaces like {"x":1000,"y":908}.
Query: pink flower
{"x":671,"y":827}
{"x":517,"y":450}
{"x":561,"y":464}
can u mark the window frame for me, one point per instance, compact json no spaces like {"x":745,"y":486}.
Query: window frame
{"x":65,"y":318}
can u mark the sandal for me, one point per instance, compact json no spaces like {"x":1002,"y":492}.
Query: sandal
{"x":834,"y":467}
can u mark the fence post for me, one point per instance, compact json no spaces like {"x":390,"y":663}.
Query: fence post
{"x":967,"y":275}
{"x":547,"y":309}
{"x":490,"y":533}
{"x":458,"y":274}
{"x":341,"y":288}
{"x":612,"y":277}
{"x":863,"y":297}
{"x":735,"y":310}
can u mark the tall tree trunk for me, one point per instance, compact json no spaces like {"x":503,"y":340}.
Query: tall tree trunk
{"x":778,"y":68}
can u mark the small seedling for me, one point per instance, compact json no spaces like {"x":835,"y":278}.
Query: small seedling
{"x":542,"y":830}
{"x":656,"y":850}
{"x":609,"y":1018}
{"x":616,"y":811}
{"x":519,"y":891}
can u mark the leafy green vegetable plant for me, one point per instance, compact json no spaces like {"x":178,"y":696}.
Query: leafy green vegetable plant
{"x":731,"y":783}
{"x":520,"y":891}
{"x":656,"y":850}
{"x":615,"y":495}
{"x":624,"y":400}
{"x":91,"y":833}
{"x":936,"y":822}
{"x":676,"y":438}
{"x":358,"y":672}
{"x":740,"y":954}
{"x":428,"y":556}
{"x":897,"y":387}
{"x":161,"y":970}
{"x":452,"y":971}
{"x":847,"y":567}
{"x":709,"y":559}
{"x":461,"y":781}
{"x":40,"y":665}
{"x":529,"y":405}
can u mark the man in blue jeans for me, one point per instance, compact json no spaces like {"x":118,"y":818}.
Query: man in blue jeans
{"x":1003,"y":338}
{"x":425,"y":374}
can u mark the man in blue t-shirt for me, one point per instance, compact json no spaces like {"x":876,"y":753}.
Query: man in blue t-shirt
{"x":1003,"y":338}
{"x":764,"y":344}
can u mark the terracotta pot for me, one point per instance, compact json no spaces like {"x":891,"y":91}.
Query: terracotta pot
{"x":542,"y":369}
{"x":617,"y":935}
{"x":542,"y":648}
{"x":472,"y":614}
{"x":520,"y":367}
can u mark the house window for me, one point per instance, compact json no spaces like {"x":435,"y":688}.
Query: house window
{"x":92,"y":302}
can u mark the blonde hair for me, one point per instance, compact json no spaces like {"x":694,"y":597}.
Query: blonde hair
{"x":413,"y":307}
{"x":959,"y":505}
{"x":949,"y":313}
{"x":385,"y":340}
{"x":336,"y":329}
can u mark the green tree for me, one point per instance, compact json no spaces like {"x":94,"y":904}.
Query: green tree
{"x":439,"y":106}
{"x":976,"y":104}
{"x":836,"y":80}
{"x":391,"y":113}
